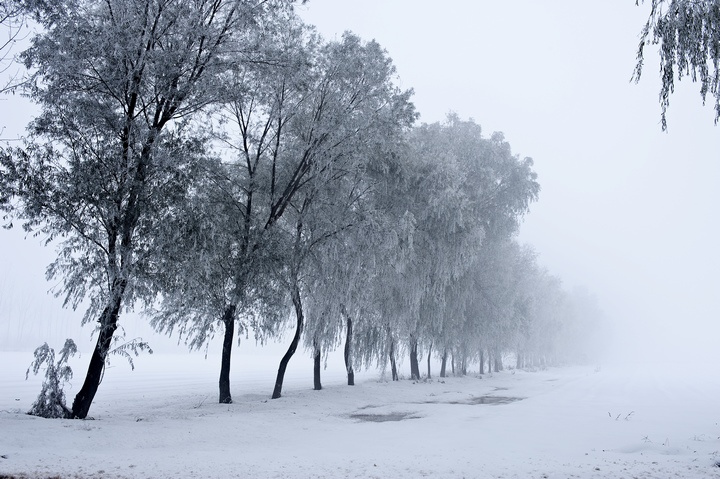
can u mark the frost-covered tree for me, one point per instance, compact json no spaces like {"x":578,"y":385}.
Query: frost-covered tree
{"x":350,"y":268}
{"x":460,"y":187}
{"x":293,"y":127}
{"x":365,"y":269}
{"x":353,"y":116}
{"x":688,"y":35}
{"x":115,"y":146}
{"x":344,"y":263}
{"x":229,"y":245}
{"x":50,"y":403}
{"x":341,"y":297}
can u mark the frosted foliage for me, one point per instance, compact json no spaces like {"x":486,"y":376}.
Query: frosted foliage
{"x":50,"y":403}
{"x":688,"y":35}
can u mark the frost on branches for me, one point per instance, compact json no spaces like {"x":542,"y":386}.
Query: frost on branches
{"x":688,"y":35}
{"x":50,"y":403}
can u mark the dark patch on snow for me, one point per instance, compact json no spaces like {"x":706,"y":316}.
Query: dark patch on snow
{"x":23,"y":476}
{"x":489,"y":400}
{"x":480,"y":400}
{"x":369,"y":406}
{"x":392,"y":416}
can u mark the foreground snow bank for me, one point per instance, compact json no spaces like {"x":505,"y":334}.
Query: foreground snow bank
{"x":162,"y":421}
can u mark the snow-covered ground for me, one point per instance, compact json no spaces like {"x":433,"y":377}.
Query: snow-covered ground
{"x":162,"y":421}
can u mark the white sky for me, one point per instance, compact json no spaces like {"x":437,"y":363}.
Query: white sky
{"x":625,"y":209}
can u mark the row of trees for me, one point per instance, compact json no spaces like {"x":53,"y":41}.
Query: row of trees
{"x":219,"y":165}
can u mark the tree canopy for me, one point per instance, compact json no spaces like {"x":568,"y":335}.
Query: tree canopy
{"x":221,"y":165}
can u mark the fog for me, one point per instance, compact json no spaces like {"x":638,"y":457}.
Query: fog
{"x":626,"y":210}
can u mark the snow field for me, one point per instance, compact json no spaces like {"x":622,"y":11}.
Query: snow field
{"x":163,"y":421}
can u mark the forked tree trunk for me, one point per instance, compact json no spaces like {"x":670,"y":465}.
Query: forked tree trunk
{"x":224,"y":382}
{"x":348,"y":352}
{"x":393,"y":364}
{"x":428,"y":360}
{"x":277,"y":391}
{"x":482,"y":362}
{"x":414,"y":365}
{"x":317,"y":356}
{"x":109,"y":319}
{"x":443,"y":363}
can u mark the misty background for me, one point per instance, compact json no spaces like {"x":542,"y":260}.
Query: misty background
{"x":626,"y":211}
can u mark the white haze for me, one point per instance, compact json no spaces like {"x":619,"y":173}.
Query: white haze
{"x":627,"y":211}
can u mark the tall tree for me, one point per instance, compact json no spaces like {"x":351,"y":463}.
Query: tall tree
{"x":293,"y":126}
{"x":460,"y":189}
{"x":232,"y":256}
{"x":688,"y":34}
{"x":118,"y":82}
{"x":354,"y":115}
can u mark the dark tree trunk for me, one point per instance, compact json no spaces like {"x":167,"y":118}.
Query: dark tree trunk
{"x":317,"y":355}
{"x":498,"y":362}
{"x":348,"y":352}
{"x":414,"y":365}
{"x":443,"y":364}
{"x":109,"y":319}
{"x":452,"y":363}
{"x":463,"y":366}
{"x":482,"y":362}
{"x":393,"y":364}
{"x":224,"y":383}
{"x":428,"y":360}
{"x":277,"y":391}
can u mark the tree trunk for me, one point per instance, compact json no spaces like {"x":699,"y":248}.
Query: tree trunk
{"x":519,"y":361}
{"x":482,"y":362}
{"x":414,"y":365}
{"x":393,"y":364}
{"x":498,"y":361}
{"x":348,"y":351}
{"x":317,"y":356}
{"x":428,"y":360}
{"x":444,"y":363}
{"x":277,"y":392}
{"x":109,"y":319}
{"x":463,"y":366}
{"x":452,"y":363}
{"x":224,"y":382}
